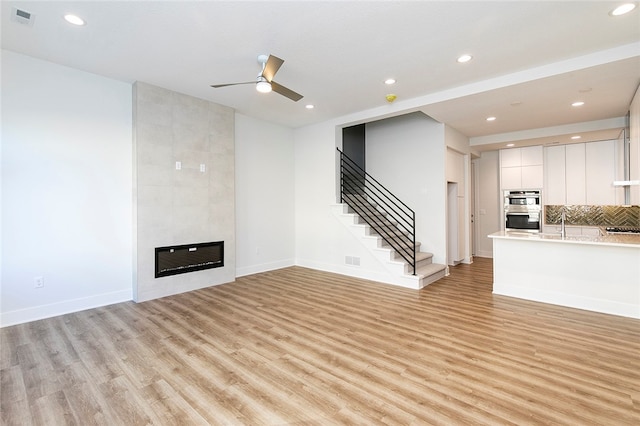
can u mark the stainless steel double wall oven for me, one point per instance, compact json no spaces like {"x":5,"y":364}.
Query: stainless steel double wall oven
{"x":523,"y":210}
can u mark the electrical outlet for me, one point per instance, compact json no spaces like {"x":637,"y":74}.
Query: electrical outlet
{"x":39,"y":282}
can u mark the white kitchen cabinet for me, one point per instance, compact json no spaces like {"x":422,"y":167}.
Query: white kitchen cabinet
{"x":511,"y":177}
{"x":600,"y":162}
{"x":555,"y":184}
{"x":531,"y":156}
{"x":532,"y":177}
{"x":575,"y":174}
{"x":510,"y":157}
{"x":521,"y":168}
{"x":581,"y":174}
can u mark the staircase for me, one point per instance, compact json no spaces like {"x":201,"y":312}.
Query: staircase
{"x":385,"y":225}
{"x":400,"y":270}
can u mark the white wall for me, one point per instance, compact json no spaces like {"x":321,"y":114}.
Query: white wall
{"x":407,"y":155}
{"x":459,"y":170}
{"x":634,"y":152}
{"x":66,"y":189}
{"x":488,"y":217}
{"x":456,"y":140}
{"x":321,"y":240}
{"x":265,"y":178}
{"x":457,"y":209}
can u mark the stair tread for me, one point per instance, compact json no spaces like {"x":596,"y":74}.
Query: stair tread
{"x":421,"y":255}
{"x":430,"y":269}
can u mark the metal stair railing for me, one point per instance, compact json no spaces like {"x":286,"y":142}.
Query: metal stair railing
{"x":385,"y":213}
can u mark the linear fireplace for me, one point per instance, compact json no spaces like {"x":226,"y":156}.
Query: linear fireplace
{"x":173,"y":260}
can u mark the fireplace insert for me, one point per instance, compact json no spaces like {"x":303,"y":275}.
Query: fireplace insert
{"x":173,"y":260}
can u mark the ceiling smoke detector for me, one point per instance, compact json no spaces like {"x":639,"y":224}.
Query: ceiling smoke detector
{"x":22,"y":16}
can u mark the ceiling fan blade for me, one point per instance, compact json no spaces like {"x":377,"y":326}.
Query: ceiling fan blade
{"x":232,"y":84}
{"x":271,"y":67}
{"x":295,"y":97}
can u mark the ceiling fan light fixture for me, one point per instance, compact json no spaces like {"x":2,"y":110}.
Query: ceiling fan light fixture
{"x":622,"y":9}
{"x":263,"y":86}
{"x":74,"y":19}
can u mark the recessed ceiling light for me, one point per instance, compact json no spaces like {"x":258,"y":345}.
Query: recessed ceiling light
{"x":577,"y":104}
{"x":464,"y":58}
{"x":509,"y":145}
{"x":491,"y":119}
{"x":622,"y":9}
{"x":390,"y":81}
{"x":74,"y":19}
{"x":576,"y":137}
{"x":309,"y":106}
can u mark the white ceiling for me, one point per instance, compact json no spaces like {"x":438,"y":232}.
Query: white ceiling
{"x":541,"y":55}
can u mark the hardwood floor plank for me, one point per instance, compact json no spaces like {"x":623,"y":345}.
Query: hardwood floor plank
{"x":304,"y":347}
{"x":88,"y":405}
{"x":128,"y":403}
{"x":53,"y":409}
{"x":12,"y":389}
{"x":170,"y":406}
{"x":16,"y":413}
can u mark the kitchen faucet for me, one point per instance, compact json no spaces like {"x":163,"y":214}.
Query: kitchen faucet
{"x":563,"y":231}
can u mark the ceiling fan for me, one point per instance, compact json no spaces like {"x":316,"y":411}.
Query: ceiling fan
{"x":264,"y":82}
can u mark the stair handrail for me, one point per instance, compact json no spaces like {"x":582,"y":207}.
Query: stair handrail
{"x":382,"y":210}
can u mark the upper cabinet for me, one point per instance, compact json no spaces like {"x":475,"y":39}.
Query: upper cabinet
{"x":576,"y":189}
{"x":521,"y":168}
{"x":564,"y":175}
{"x":581,"y":174}
{"x":600,"y":168}
{"x":555,"y":179}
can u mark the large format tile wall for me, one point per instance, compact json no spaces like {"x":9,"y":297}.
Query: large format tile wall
{"x":186,"y":206}
{"x":620,"y":216}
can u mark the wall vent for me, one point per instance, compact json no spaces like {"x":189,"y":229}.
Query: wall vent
{"x":22,"y":16}
{"x":352,"y":260}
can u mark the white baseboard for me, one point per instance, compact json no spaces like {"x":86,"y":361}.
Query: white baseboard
{"x":568,"y":300}
{"x":65,"y":307}
{"x":356,"y":272}
{"x":484,"y":253}
{"x":264,"y":267}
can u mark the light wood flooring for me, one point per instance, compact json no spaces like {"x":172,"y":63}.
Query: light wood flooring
{"x":302,"y":347}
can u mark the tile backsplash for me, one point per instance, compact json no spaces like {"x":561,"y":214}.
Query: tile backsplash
{"x":594,"y":215}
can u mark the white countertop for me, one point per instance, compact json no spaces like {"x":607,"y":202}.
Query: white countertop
{"x":621,"y":240}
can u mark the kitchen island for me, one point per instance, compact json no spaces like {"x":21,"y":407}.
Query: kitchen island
{"x":599,"y":273}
